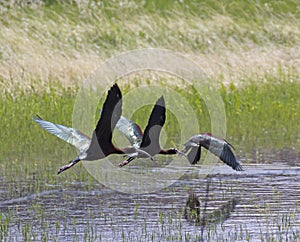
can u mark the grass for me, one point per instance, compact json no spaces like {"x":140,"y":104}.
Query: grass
{"x":101,"y":218}
{"x":257,"y":119}
{"x":66,"y":41}
{"x":248,"y":50}
{"x":264,"y":115}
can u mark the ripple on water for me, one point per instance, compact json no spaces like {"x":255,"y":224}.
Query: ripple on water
{"x":268,"y":195}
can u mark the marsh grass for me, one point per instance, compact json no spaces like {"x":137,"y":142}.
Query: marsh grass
{"x":66,"y":41}
{"x":264,"y":115}
{"x":48,"y":48}
{"x":166,"y":224}
{"x":259,"y":117}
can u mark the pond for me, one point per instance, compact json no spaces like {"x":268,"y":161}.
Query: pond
{"x":267,"y":209}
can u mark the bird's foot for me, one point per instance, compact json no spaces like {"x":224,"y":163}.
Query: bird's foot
{"x":63,"y":168}
{"x":124,"y":163}
{"x":152,"y":159}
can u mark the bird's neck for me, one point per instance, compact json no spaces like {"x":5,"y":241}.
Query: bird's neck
{"x":167,"y":151}
{"x":119,"y":151}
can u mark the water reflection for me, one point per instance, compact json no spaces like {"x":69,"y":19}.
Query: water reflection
{"x":267,"y":210}
{"x":198,"y":216}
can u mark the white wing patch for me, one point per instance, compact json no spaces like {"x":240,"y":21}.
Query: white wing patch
{"x":131,"y":131}
{"x":70,"y":135}
{"x":82,"y":142}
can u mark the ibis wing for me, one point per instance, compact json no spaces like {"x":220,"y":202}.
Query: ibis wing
{"x":70,"y":135}
{"x":111,"y":113}
{"x":228,"y":158}
{"x":155,"y":123}
{"x":194,"y":155}
{"x":131,"y":131}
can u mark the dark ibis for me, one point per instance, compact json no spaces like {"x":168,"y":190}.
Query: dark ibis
{"x":219,"y":147}
{"x":150,"y":138}
{"x":100,"y":146}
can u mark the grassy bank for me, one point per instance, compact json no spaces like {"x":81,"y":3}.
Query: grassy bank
{"x":233,"y":41}
{"x":259,"y":117}
{"x":249,"y":50}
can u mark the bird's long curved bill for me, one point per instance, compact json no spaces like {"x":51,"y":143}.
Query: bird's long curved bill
{"x":144,"y":153}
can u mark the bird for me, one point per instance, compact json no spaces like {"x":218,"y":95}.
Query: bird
{"x":100,"y":145}
{"x":219,"y":147}
{"x":150,"y":138}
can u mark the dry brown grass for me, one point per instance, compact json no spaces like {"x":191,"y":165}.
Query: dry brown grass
{"x":36,"y":49}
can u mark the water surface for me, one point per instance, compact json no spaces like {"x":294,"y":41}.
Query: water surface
{"x":268,"y":209}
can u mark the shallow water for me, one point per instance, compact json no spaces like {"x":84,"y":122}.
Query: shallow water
{"x":268,"y":209}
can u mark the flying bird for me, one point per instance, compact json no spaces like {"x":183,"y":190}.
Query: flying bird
{"x":150,"y":138}
{"x":101,"y":144}
{"x":219,"y":147}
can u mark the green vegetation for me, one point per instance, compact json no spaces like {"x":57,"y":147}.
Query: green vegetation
{"x":249,"y":51}
{"x":258,"y":118}
{"x":99,"y":217}
{"x":264,"y":116}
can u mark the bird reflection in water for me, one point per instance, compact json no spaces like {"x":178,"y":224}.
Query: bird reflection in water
{"x":194,"y":214}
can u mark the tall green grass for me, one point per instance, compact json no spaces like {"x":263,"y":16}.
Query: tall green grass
{"x":264,"y":116}
{"x":48,"y":47}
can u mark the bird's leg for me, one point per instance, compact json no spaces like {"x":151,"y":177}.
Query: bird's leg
{"x":68,"y":166}
{"x":125,"y":162}
{"x":181,"y":153}
{"x":185,"y":150}
{"x":139,"y":153}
